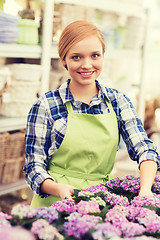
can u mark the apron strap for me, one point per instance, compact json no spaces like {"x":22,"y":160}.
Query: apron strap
{"x":75,"y":174}
{"x":109,"y":105}
{"x":69,"y":107}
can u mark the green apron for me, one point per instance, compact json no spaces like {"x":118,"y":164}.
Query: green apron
{"x":87,"y":153}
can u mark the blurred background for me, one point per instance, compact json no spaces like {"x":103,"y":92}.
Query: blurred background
{"x":30,"y":66}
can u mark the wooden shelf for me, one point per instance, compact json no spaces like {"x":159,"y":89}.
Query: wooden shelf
{"x":120,"y":7}
{"x":8,"y":188}
{"x":116,"y":6}
{"x":24,"y":51}
{"x":11,"y":124}
{"x":20,"y":51}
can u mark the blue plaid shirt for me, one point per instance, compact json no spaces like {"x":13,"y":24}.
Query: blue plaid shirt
{"x":47,"y":122}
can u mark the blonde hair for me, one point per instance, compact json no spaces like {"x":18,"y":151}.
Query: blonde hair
{"x":75,"y":32}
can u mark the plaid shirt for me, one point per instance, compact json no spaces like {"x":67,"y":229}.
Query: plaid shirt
{"x":47,"y":122}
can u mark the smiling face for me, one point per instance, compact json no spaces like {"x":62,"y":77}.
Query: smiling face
{"x":84,"y":60}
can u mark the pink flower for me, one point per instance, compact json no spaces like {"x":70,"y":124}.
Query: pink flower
{"x":85,"y":207}
{"x":65,"y":205}
{"x":4,"y":223}
{"x":45,"y":231}
{"x":49,"y":233}
{"x":130,"y":229}
{"x":92,"y":191}
{"x":79,"y":225}
{"x":114,"y":199}
{"x":153,"y":226}
{"x":5,"y":216}
{"x":141,"y":201}
{"x":115,"y":218}
{"x":23,"y":211}
{"x":106,"y":231}
{"x":15,"y":233}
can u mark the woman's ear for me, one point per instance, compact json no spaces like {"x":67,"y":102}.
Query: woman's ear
{"x":66,"y":67}
{"x":64,"y":64}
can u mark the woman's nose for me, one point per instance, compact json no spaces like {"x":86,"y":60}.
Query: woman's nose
{"x":86,"y":63}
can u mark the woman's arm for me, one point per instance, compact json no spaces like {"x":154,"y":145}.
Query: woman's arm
{"x":57,"y":189}
{"x":139,"y":146}
{"x":37,"y":143}
{"x":148,"y":170}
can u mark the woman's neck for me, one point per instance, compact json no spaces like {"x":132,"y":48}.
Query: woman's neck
{"x":83,"y":93}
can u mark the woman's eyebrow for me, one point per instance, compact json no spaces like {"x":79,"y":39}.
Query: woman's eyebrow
{"x":96,"y":52}
{"x":78,"y":53}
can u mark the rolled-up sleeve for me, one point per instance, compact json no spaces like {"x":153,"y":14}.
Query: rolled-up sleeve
{"x":37,"y":143}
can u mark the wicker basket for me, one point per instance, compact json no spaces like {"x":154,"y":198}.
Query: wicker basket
{"x":12,"y":151}
{"x":3,"y":143}
{"x":26,"y":72}
{"x":11,"y":170}
{"x":17,"y":109}
{"x":1,"y":171}
{"x":23,"y":90}
{"x":15,"y":146}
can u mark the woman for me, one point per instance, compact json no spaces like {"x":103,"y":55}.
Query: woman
{"x":73,"y":132}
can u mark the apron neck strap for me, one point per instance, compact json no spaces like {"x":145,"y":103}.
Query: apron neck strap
{"x":109,"y":105}
{"x":69,"y":107}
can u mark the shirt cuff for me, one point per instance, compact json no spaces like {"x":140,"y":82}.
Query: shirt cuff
{"x":40,"y":180}
{"x":150,"y":156}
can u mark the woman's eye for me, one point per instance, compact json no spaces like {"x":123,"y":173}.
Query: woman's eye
{"x":95,"y":55}
{"x":76,"y":57}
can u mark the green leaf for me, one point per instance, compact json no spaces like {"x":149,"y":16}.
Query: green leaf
{"x":152,"y":207}
{"x":76,"y":191}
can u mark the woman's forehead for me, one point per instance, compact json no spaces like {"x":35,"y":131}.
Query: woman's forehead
{"x":88,"y":43}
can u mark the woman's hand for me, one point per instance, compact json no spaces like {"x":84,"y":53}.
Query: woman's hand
{"x":65,"y":191}
{"x":148,"y":171}
{"x":145,"y":192}
{"x":57,"y":189}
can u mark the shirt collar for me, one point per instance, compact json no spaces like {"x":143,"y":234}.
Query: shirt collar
{"x":66,"y":95}
{"x":102,"y":90}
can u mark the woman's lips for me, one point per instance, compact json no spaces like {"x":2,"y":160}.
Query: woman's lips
{"x":86,"y":74}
